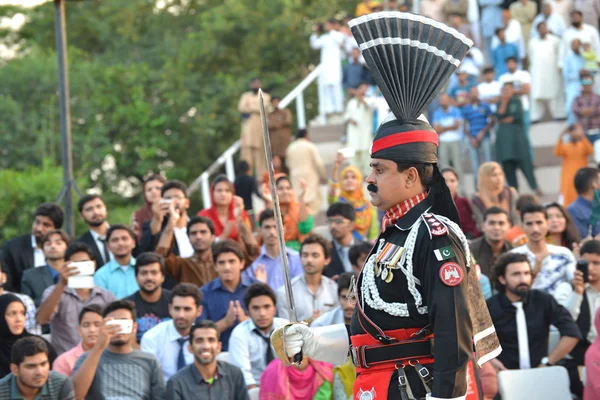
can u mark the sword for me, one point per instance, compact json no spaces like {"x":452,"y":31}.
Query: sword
{"x":287,"y":280}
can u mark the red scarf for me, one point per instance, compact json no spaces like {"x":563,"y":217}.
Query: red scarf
{"x":399,"y":210}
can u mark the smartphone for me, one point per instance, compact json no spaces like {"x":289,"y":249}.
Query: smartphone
{"x":125,"y":324}
{"x":582,"y":265}
{"x":348,"y":152}
{"x":166,"y":201}
{"x":85,"y":268}
{"x":81,"y":282}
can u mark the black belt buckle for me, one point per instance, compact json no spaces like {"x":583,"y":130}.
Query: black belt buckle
{"x":386,"y":339}
{"x":425,"y":331}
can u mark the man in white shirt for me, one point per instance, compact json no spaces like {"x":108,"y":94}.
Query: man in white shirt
{"x":343,"y":313}
{"x":314,"y":294}
{"x":447,"y":122}
{"x":513,"y":34}
{"x":555,"y":22}
{"x":578,"y":30}
{"x":249,"y":344}
{"x":551,"y":264}
{"x":168,"y":340}
{"x":489,"y":88}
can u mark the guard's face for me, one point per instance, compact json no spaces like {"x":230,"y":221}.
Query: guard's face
{"x":387,"y":187}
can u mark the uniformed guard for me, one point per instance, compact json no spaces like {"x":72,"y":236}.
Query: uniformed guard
{"x":416,"y":288}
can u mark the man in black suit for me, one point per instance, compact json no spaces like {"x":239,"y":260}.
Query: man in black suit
{"x":25,"y":251}
{"x":93,"y":211}
{"x":341,"y":219}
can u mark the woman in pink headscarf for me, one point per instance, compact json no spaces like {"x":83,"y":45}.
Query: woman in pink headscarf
{"x":311,"y":381}
{"x":591,"y":390}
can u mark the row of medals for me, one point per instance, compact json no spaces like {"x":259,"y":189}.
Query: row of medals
{"x":389,"y":259}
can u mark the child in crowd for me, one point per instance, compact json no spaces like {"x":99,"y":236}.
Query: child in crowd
{"x":589,"y":58}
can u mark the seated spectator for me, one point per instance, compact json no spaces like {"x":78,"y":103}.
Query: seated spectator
{"x":93,"y":211}
{"x":574,"y":154}
{"x":167,"y":341}
{"x":24,"y":252}
{"x":118,"y":275}
{"x":348,"y":188}
{"x":551,"y":264}
{"x":491,"y":191}
{"x":227,"y":210}
{"x":341,"y":219}
{"x":90,"y":323}
{"x":343,"y":313}
{"x":30,"y":376}
{"x":249,"y":346}
{"x":358,"y":254}
{"x":463,"y":205}
{"x":36,"y":280}
{"x":223,"y":297}
{"x":31,"y":324}
{"x":492,"y":244}
{"x":267,"y":267}
{"x":151,"y":190}
{"x":61,"y":304}
{"x":12,"y":328}
{"x":515,"y":235}
{"x":207,"y":378}
{"x":447,"y":121}
{"x":522,"y":318}
{"x":314,"y":293}
{"x":591,"y":390}
{"x":151,"y":301}
{"x":311,"y":380}
{"x":587,"y":181}
{"x":562,"y":231}
{"x":99,"y":373}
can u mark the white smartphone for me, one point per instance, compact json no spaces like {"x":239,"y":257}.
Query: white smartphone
{"x":166,"y":201}
{"x":348,"y":152}
{"x":85,"y":268}
{"x":125,"y":324}
{"x":81,"y":282}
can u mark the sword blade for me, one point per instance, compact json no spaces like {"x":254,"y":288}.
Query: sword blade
{"x":287,"y":280}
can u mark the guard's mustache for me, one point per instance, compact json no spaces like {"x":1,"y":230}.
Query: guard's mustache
{"x":372,"y":188}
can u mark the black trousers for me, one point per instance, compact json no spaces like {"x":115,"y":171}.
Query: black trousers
{"x":510,"y":170}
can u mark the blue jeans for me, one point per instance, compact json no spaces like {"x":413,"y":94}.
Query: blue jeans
{"x":485,"y":148}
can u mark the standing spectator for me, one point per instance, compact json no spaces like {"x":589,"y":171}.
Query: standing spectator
{"x":460,"y":93}
{"x":93,"y":211}
{"x":590,"y":10}
{"x":354,"y":72}
{"x":36,"y":280}
{"x":151,"y":191}
{"x":341,"y":219}
{"x":118,"y":275}
{"x":457,"y":7}
{"x":207,"y":378}
{"x":25,"y":251}
{"x":489,"y":89}
{"x":472,"y":64}
{"x":492,"y":191}
{"x":99,"y":373}
{"x":223,"y":297}
{"x":280,"y":129}
{"x":478,"y":125}
{"x":343,"y":313}
{"x":459,"y":22}
{"x":314,"y":293}
{"x":304,"y":163}
{"x":522,"y":318}
{"x":586,"y":108}
{"x":551,"y":264}
{"x":524,"y":11}
{"x":512,"y":146}
{"x":330,"y":43}
{"x":151,"y":301}
{"x":250,"y":346}
{"x":574,"y":153}
{"x":252,"y":149}
{"x":314,"y":378}
{"x":463,"y":205}
{"x":492,"y":244}
{"x":582,"y":31}
{"x":359,"y":127}
{"x":562,"y":230}
{"x":245,"y":186}
{"x":562,"y":8}
{"x":167,"y":340}
{"x":545,"y":75}
{"x":268,"y":264}
{"x":513,"y":34}
{"x":90,"y":323}
{"x":447,"y":122}
{"x":502,"y":52}
{"x":587,"y":182}
{"x":491,"y":21}
{"x":61,"y":304}
{"x":31,"y":324}
{"x":433,"y":9}
{"x":572,"y":66}
{"x":30,"y":376}
{"x":554,"y":21}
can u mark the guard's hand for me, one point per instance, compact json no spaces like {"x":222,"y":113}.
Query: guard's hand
{"x":299,"y":338}
{"x":578,"y":283}
{"x":497,"y":364}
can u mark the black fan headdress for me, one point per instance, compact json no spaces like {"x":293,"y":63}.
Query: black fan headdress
{"x":411,"y":58}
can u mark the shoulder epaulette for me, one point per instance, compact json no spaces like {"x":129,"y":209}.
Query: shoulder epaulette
{"x":435,"y":227}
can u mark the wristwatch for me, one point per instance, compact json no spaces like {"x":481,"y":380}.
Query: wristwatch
{"x":546,"y":362}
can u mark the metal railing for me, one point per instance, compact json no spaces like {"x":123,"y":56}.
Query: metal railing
{"x":297,"y":94}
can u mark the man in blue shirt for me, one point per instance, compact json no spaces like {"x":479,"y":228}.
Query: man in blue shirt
{"x":502,"y":52}
{"x":587,"y":181}
{"x":223,"y":297}
{"x":477,"y":129}
{"x":267,"y":267}
{"x":447,"y":123}
{"x":459,"y":93}
{"x":354,"y":73}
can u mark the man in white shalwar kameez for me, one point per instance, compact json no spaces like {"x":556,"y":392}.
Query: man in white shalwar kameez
{"x":331,"y":44}
{"x":359,"y":128}
{"x":555,"y":22}
{"x":546,"y":82}
{"x":582,"y":31}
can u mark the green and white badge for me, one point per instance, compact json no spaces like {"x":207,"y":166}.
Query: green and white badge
{"x":444,"y":253}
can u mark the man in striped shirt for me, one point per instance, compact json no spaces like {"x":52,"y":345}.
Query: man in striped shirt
{"x":478,"y":125}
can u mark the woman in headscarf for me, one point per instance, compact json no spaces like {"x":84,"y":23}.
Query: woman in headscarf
{"x":151,"y":193}
{"x":463,"y":205}
{"x":312,"y":380}
{"x":491,"y":192}
{"x":347,"y":188}
{"x":12,"y":328}
{"x":562,"y":230}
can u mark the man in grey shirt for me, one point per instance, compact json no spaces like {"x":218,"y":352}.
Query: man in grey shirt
{"x":112,"y":369}
{"x":207,"y":378}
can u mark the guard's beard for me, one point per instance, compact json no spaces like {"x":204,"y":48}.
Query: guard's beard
{"x":372,"y":188}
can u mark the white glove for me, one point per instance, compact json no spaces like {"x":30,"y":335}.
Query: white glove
{"x":328,"y":343}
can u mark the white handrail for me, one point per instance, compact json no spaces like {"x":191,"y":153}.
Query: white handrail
{"x":226,"y":158}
